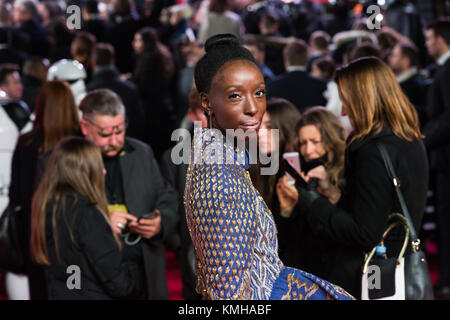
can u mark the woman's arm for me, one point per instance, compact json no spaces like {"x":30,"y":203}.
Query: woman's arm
{"x":372,"y":200}
{"x":223,"y":229}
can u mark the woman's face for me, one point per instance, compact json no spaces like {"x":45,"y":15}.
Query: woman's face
{"x":138,"y":44}
{"x":264,"y":135}
{"x":311,"y":145}
{"x":237,"y":97}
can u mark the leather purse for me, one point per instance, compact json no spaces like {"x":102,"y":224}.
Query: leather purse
{"x":11,"y":251}
{"x":404,"y":277}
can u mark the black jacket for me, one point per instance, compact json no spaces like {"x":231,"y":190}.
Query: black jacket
{"x":437,"y":130}
{"x":415,"y":88}
{"x":355,"y":225}
{"x":31,"y":87}
{"x":145,"y":191}
{"x":299,"y":88}
{"x":36,"y":43}
{"x":103,"y":274}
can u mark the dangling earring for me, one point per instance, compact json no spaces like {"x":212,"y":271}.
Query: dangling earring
{"x":210,"y":119}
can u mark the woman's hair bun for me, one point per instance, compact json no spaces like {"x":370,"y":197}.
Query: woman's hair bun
{"x":220,"y":40}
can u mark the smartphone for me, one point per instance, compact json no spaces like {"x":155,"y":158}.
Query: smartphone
{"x":294,"y":160}
{"x":190,"y":35}
{"x":148,"y":215}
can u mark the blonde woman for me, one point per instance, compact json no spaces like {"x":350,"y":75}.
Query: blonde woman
{"x":71,"y":231}
{"x":379,"y":113}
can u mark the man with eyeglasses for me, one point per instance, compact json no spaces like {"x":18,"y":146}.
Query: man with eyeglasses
{"x":134,"y":188}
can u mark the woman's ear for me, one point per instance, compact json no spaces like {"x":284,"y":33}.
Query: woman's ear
{"x":206,"y":106}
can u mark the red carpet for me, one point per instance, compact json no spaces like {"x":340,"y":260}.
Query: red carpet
{"x":173,"y":279}
{"x":174,"y":274}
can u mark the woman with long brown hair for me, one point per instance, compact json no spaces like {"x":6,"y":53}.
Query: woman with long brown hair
{"x":280,"y":115}
{"x":380,"y":114}
{"x":56,"y":117}
{"x":70,"y":227}
{"x":321,"y":145}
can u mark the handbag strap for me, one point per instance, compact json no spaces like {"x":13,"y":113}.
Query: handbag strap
{"x":390,"y":169}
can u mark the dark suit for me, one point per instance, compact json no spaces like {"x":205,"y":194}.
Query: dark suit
{"x":37,"y":43}
{"x":416,"y":90}
{"x":9,"y":55}
{"x":121,"y":36}
{"x":355,"y":225}
{"x":437,"y":140}
{"x":31,"y":88}
{"x":98,"y":27}
{"x":108,"y":77}
{"x":299,"y":88}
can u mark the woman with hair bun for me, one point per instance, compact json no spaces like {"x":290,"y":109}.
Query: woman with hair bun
{"x":232,"y":229}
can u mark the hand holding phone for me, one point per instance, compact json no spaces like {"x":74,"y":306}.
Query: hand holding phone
{"x":293,"y":159}
{"x":149,"y":215}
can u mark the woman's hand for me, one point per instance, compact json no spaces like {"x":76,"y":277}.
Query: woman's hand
{"x":120,"y":219}
{"x":320,"y":174}
{"x":325,"y":187}
{"x":287,"y":196}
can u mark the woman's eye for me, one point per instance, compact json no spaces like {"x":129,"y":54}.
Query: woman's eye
{"x":260,"y":93}
{"x":233,"y":96}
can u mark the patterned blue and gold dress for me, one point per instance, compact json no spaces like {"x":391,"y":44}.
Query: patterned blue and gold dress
{"x":234,"y":234}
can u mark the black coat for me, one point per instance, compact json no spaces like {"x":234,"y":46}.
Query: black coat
{"x":154,"y":88}
{"x":36,"y":43}
{"x":108,"y":77}
{"x":9,"y":55}
{"x":31,"y":87}
{"x":415,"y":88}
{"x":103,"y":274}
{"x":437,"y":130}
{"x":299,"y":88}
{"x":121,"y":35}
{"x":355,"y":225}
{"x":145,"y":191}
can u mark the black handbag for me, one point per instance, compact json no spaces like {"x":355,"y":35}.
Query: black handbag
{"x":417,"y":282}
{"x":11,"y":249}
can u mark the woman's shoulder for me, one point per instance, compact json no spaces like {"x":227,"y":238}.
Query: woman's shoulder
{"x":79,"y":203}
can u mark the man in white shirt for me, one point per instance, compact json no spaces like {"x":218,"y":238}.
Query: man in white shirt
{"x":404,"y":62}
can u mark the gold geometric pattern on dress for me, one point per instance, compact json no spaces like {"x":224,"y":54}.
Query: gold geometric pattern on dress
{"x":234,"y":234}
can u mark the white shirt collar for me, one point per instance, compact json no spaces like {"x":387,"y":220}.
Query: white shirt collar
{"x":296,"y":68}
{"x":443,"y":59}
{"x":407,"y":74}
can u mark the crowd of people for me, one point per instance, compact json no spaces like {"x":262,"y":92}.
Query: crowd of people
{"x":87,"y":116}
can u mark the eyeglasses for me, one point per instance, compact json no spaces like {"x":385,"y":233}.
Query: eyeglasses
{"x":117,"y":130}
